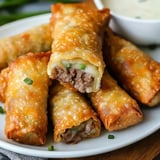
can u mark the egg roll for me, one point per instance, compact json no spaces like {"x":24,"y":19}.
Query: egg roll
{"x":36,"y":39}
{"x":72,"y":116}
{"x":76,"y":60}
{"x":26,"y":99}
{"x":137,"y":72}
{"x":116,"y":109}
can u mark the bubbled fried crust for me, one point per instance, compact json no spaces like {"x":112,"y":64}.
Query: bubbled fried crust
{"x":77,"y":31}
{"x":135,"y":70}
{"x":26,"y":105}
{"x":70,"y":109}
{"x":37,"y":39}
{"x":3,"y":83}
{"x":115,"y":107}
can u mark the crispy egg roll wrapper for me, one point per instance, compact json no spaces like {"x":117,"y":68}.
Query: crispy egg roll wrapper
{"x":117,"y":110}
{"x":72,"y":116}
{"x":26,"y":104}
{"x":3,"y":83}
{"x":36,"y":39}
{"x":76,"y":59}
{"x":136,"y":71}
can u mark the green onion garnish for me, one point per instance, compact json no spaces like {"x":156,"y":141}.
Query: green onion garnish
{"x":81,"y":66}
{"x":75,"y":129}
{"x":1,"y":110}
{"x":110,"y":136}
{"x":68,"y":65}
{"x":28,"y":81}
{"x":51,"y":148}
{"x":138,"y":17}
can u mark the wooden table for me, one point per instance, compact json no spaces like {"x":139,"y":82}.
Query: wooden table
{"x":145,"y":149}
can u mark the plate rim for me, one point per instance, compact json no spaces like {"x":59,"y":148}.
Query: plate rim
{"x":66,"y":154}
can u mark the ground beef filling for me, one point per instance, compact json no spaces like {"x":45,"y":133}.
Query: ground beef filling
{"x":84,"y":130}
{"x":76,"y":77}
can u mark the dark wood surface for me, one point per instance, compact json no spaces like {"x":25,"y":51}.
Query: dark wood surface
{"x":146,"y":149}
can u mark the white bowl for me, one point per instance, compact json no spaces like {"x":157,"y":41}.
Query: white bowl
{"x":138,"y":31}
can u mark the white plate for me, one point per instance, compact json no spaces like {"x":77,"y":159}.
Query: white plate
{"x":89,"y":147}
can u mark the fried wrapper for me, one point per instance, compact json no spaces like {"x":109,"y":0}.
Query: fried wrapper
{"x":3,"y":83}
{"x":26,"y":99}
{"x":137,"y":72}
{"x":36,"y":39}
{"x":117,"y":110}
{"x":72,"y":116}
{"x":76,"y":59}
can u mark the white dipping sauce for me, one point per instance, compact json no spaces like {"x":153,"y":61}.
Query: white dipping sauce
{"x":144,"y":9}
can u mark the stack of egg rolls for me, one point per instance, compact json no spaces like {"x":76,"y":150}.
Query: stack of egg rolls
{"x":76,"y":66}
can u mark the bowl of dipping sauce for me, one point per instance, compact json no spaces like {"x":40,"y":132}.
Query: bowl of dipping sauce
{"x":135,"y":20}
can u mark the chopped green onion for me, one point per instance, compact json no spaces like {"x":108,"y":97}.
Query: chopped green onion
{"x":68,"y":65}
{"x":5,"y":18}
{"x":82,"y":66}
{"x":11,"y":10}
{"x":75,"y":129}
{"x":1,"y":110}
{"x":138,"y":17}
{"x":51,"y":148}
{"x":110,"y":136}
{"x":28,"y":81}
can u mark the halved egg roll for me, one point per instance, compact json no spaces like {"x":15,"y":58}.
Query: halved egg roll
{"x":117,"y":110}
{"x":136,"y":71}
{"x":76,"y":60}
{"x":26,"y":99}
{"x":72,"y":116}
{"x":36,"y":39}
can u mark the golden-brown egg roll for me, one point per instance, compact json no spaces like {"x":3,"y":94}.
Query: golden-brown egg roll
{"x":72,"y":116}
{"x":26,"y":99}
{"x":76,"y":59}
{"x":136,"y":71}
{"x":117,"y":110}
{"x":36,"y":39}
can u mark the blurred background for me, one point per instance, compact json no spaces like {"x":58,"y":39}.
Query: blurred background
{"x":11,"y":10}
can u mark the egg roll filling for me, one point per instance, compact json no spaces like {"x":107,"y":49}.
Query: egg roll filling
{"x":79,"y":74}
{"x":77,"y":133}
